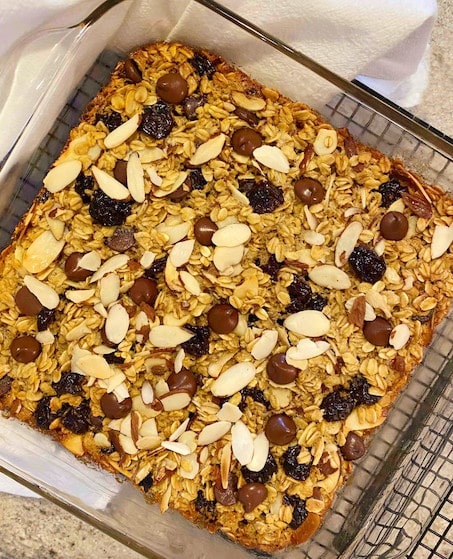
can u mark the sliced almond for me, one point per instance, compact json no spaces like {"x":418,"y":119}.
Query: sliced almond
{"x":226,"y":257}
{"x":326,"y":141}
{"x":121,"y":392}
{"x":215,"y":368}
{"x":114,"y":381}
{"x":441,"y":241}
{"x":175,"y":232}
{"x":79,"y":295}
{"x":313,"y":238}
{"x":93,"y":366}
{"x":250,"y":103}
{"x":161,"y":388}
{"x":116,"y":324}
{"x":229,"y":412}
{"x":147,"y":259}
{"x":56,"y":226}
{"x":111,"y":265}
{"x":225,"y":465}
{"x":347,"y":242}
{"x":349,"y":212}
{"x":399,"y":336}
{"x":232,"y":235}
{"x":42,"y":252}
{"x":272,"y":157}
{"x":260,"y":453}
{"x":241,"y":443}
{"x":311,"y":219}
{"x":169,"y":336}
{"x":135,"y":178}
{"x":127,"y":444}
{"x":78,"y":332}
{"x":90,"y":261}
{"x":154,"y":177}
{"x":109,"y":289}
{"x":189,"y":466}
{"x":122,"y":133}
{"x":109,"y":185}
{"x":178,"y":448}
{"x":357,"y":420}
{"x":175,"y":400}
{"x":190,"y":283}
{"x":307,"y":349}
{"x":148,"y":442}
{"x":150,"y":154}
{"x":180,"y":430}
{"x":179,"y":360}
{"x":233,"y":379}
{"x":147,"y":392}
{"x":330,"y":276}
{"x":308,"y":323}
{"x":265,"y":344}
{"x":45,"y":337}
{"x":62,"y":175}
{"x":213,"y":432}
{"x":181,"y":252}
{"x":46,"y":294}
{"x":208,"y":150}
{"x":165,"y":191}
{"x":379,"y":247}
{"x":148,"y":427}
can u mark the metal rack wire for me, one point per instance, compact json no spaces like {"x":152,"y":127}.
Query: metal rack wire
{"x":400,"y":501}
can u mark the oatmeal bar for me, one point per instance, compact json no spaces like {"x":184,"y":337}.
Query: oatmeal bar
{"x":219,"y":296}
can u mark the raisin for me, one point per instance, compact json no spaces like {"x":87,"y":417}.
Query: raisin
{"x":76,"y":419}
{"x":43,"y":415}
{"x":114,"y":359}
{"x":107,"y":211}
{"x":5,"y":385}
{"x":147,"y":482}
{"x":359,"y":390}
{"x":264,"y":197}
{"x":109,"y":450}
{"x":256,"y":394}
{"x":301,"y":294}
{"x":83,"y":185}
{"x":272,"y":267}
{"x":252,"y":318}
{"x":245,"y":185}
{"x":300,"y":512}
{"x":157,"y":120}
{"x":337,"y":406}
{"x":367,"y":264}
{"x":202,"y":65}
{"x":157,"y":267}
{"x":423,"y":318}
{"x":69,"y":383}
{"x":199,"y":344}
{"x":418,"y":205}
{"x":264,"y":475}
{"x":111,"y":120}
{"x":44,"y":318}
{"x":317,"y":302}
{"x":292,"y":468}
{"x":390,"y":191}
{"x":205,"y":507}
{"x":190,"y":105}
{"x":196,"y":180}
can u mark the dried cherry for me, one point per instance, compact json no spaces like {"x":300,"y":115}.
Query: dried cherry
{"x":300,"y":512}
{"x":43,"y":415}
{"x":44,"y":318}
{"x":77,"y":419}
{"x":157,"y":120}
{"x":111,"y":120}
{"x":337,"y":405}
{"x":367,"y":264}
{"x":256,"y":394}
{"x":69,"y":383}
{"x":202,"y":65}
{"x":264,"y":475}
{"x":292,"y":468}
{"x":196,"y":180}
{"x":199,"y":344}
{"x":272,"y":267}
{"x":264,"y":197}
{"x":147,"y":482}
{"x":157,"y":267}
{"x":83,"y":186}
{"x":390,"y":191}
{"x":359,"y":390}
{"x":107,"y":211}
{"x":205,"y":507}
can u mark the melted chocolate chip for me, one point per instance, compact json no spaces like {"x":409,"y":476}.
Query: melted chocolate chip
{"x":394,"y":226}
{"x":250,"y":118}
{"x":245,"y":141}
{"x":203,"y":230}
{"x":72,"y":269}
{"x":222,"y":318}
{"x":180,"y":193}
{"x":120,"y":171}
{"x":112,"y":408}
{"x":5,"y":385}
{"x":377,"y":331}
{"x":132,"y":71}
{"x":184,"y":380}
{"x":157,"y":120}
{"x":226,"y":496}
{"x":143,"y":290}
{"x":27,"y":303}
{"x":25,"y":349}
{"x":280,"y":429}
{"x":279,"y":371}
{"x":251,"y":495}
{"x":190,"y":105}
{"x":309,"y":191}
{"x":172,"y":88}
{"x":122,"y":239}
{"x":354,"y":447}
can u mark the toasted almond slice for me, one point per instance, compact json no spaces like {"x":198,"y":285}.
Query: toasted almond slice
{"x":135,"y":178}
{"x":162,"y":192}
{"x":225,"y":257}
{"x":93,"y":366}
{"x":189,"y":466}
{"x":174,"y":233}
{"x":308,"y":323}
{"x":147,"y":259}
{"x":311,"y":219}
{"x":148,"y":427}
{"x":99,"y":308}
{"x":213,"y":432}
{"x":147,"y":392}
{"x":229,"y":412}
{"x":116,"y":324}
{"x":260,"y":453}
{"x":111,"y":265}
{"x":42,"y":252}
{"x":109,"y":289}
{"x":116,"y":137}
{"x":179,"y":360}
{"x":154,"y":177}
{"x":175,"y":400}
{"x":326,"y":141}
{"x":225,"y":465}
{"x":250,"y":103}
{"x":208,"y":150}
{"x":356,"y":421}
{"x":103,"y":349}
{"x":313,"y":237}
{"x":78,"y":332}
{"x":121,"y":392}
{"x":56,"y":226}
{"x":190,"y":283}
{"x":60,"y":176}
{"x":181,"y":252}
{"x":90,"y":261}
{"x":232,"y":235}
{"x":233,"y":379}
{"x":115,"y":380}
{"x":179,"y":430}
{"x":148,"y":442}
{"x":109,"y":185}
{"x":307,"y":349}
{"x":330,"y":276}
{"x":169,"y":336}
{"x":369,"y":311}
{"x":441,"y":241}
{"x":265,"y":344}
{"x":215,"y":368}
{"x":272,"y":157}
{"x":127,"y":444}
{"x":45,"y":337}
{"x":346,"y":243}
{"x":241,"y":443}
{"x":45,"y":294}
{"x":150,"y":154}
{"x":102,"y":441}
{"x":178,"y":448}
{"x":399,"y":336}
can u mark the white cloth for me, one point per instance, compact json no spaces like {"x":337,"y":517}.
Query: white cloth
{"x":384,"y":42}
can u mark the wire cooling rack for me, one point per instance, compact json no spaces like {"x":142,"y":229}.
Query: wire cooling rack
{"x":399,"y":503}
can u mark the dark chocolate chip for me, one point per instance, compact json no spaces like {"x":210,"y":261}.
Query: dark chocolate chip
{"x":222,"y":318}
{"x":184,"y":380}
{"x":122,"y":239}
{"x":143,"y":290}
{"x":203,"y":230}
{"x":27,"y":303}
{"x":132,"y":71}
{"x":354,"y":447}
{"x":280,"y":429}
{"x":25,"y":349}
{"x":279,"y":371}
{"x":250,"y":118}
{"x":394,"y":226}
{"x":245,"y":141}
{"x":120,"y":171}
{"x":112,"y":408}
{"x":251,"y":495}
{"x":226,"y":496}
{"x":72,"y":269}
{"x":172,"y":88}
{"x":309,"y":191}
{"x":377,"y":331}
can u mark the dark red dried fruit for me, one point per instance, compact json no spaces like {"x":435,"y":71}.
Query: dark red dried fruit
{"x":205,"y":507}
{"x":147,"y":482}
{"x":202,"y":65}
{"x":5,"y":385}
{"x":390,"y":191}
{"x":303,"y":298}
{"x":256,"y":394}
{"x":350,"y":146}
{"x":417,"y":205}
{"x":337,"y":405}
{"x":69,"y":383}
{"x":190,"y":105}
{"x":196,"y":180}
{"x":367,"y":264}
{"x":300,"y":512}
{"x":292,"y":468}
{"x":44,"y":318}
{"x":43,"y":415}
{"x":111,"y":120}
{"x":264,"y":475}
{"x":108,"y":212}
{"x":157,"y":120}
{"x":272,"y":267}
{"x":265,"y":197}
{"x":199,"y":344}
{"x":83,"y":186}
{"x":77,"y":419}
{"x":359,"y":390}
{"x":156,"y":268}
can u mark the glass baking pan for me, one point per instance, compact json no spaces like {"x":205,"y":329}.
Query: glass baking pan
{"x":402,"y":484}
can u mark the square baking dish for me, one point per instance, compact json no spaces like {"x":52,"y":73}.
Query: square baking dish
{"x":404,"y":480}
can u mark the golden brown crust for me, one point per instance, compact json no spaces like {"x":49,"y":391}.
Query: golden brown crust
{"x":346,"y":387}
